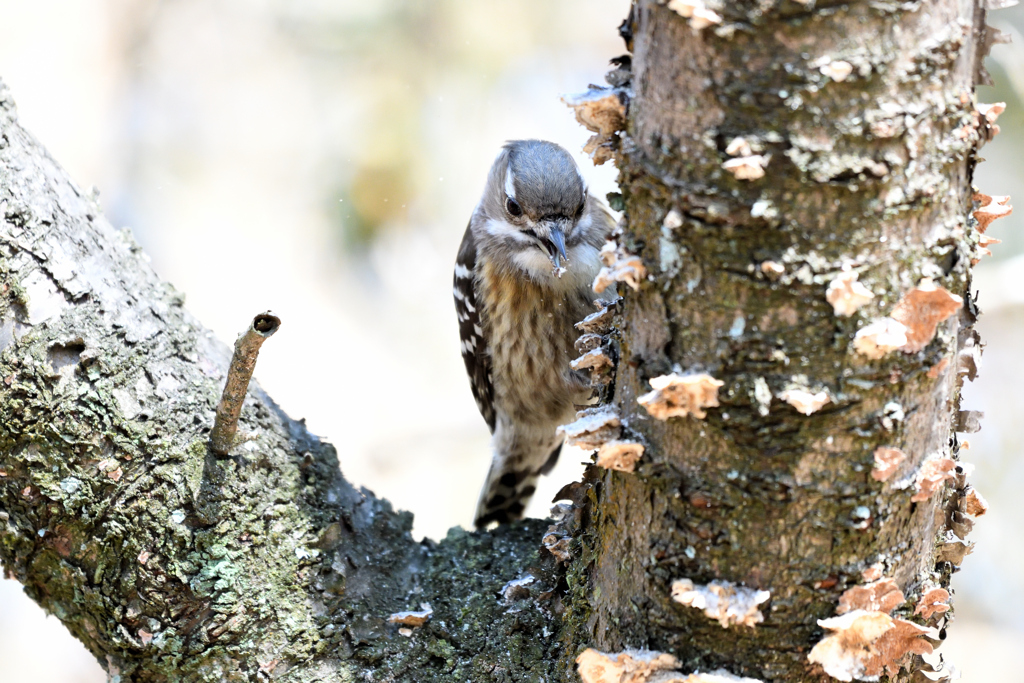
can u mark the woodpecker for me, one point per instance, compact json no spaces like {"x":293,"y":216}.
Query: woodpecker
{"x":523,"y":278}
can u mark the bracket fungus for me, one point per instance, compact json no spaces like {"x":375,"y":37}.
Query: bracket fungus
{"x":681,"y":395}
{"x":696,"y":11}
{"x":739,"y":147}
{"x":974,"y":503}
{"x":984,"y":242}
{"x":594,"y":356}
{"x":517,"y":588}
{"x":413,"y":619}
{"x":990,"y":208}
{"x":921,"y":310}
{"x":873,"y":573}
{"x":643,"y":666}
{"x":602,"y":111}
{"x":592,"y":428}
{"x":725,"y":602}
{"x":862,"y":645}
{"x":595,"y":359}
{"x":936,"y":370}
{"x":804,"y":401}
{"x":558,"y":546}
{"x":954,"y":550}
{"x":931,"y":476}
{"x":887,"y":460}
{"x":599,"y":322}
{"x":879,"y":338}
{"x":882,"y":595}
{"x":629,"y":666}
{"x":935,"y":600}
{"x":838,"y":70}
{"x":990,"y":113}
{"x":762,"y":396}
{"x":773,"y":269}
{"x":846,"y":294}
{"x":619,"y":266}
{"x":619,"y":455}
{"x":558,"y":537}
{"x":748,"y":167}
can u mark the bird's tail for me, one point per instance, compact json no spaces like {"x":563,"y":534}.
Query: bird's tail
{"x":511,"y":482}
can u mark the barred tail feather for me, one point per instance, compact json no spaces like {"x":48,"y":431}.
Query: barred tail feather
{"x":511,"y":482}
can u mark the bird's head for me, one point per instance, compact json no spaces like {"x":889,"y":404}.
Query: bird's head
{"x":534,"y":203}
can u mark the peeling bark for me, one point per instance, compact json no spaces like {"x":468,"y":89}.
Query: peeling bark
{"x":791,"y":173}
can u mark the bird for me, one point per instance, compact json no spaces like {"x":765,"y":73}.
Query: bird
{"x":523,"y":277}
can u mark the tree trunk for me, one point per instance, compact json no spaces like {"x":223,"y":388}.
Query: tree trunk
{"x":776,"y":161}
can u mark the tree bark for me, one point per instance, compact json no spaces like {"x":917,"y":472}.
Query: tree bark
{"x":169,"y":563}
{"x":863,"y":120}
{"x":174,"y":564}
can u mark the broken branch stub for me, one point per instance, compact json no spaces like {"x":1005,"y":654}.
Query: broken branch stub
{"x":243,"y":361}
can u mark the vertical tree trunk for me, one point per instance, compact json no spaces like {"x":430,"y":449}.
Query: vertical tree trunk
{"x":792,"y":174}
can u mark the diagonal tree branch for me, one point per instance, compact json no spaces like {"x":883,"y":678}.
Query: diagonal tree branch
{"x":172,"y":564}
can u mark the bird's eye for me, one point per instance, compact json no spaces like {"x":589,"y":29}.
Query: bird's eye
{"x":513,"y":209}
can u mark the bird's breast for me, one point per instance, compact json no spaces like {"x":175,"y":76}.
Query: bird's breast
{"x":530,"y":331}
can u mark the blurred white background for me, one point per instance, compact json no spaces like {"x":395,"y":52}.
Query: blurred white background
{"x":321,"y":158}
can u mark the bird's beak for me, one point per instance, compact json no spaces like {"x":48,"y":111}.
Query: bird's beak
{"x":556,"y":249}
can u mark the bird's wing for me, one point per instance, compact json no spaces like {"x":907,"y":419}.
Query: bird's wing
{"x":471,"y":331}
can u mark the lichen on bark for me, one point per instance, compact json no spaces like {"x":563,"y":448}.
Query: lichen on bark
{"x":173,"y":564}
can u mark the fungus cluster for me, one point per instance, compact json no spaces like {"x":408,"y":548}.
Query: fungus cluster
{"x":864,"y":641}
{"x":696,"y":11}
{"x":643,"y":666}
{"x":602,"y":111}
{"x":911,"y":325}
{"x":745,"y":164}
{"x":725,"y":602}
{"x":681,"y":395}
{"x":619,"y":266}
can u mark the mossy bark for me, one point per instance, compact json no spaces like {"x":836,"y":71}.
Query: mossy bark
{"x":869,"y":172}
{"x":172,"y":564}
